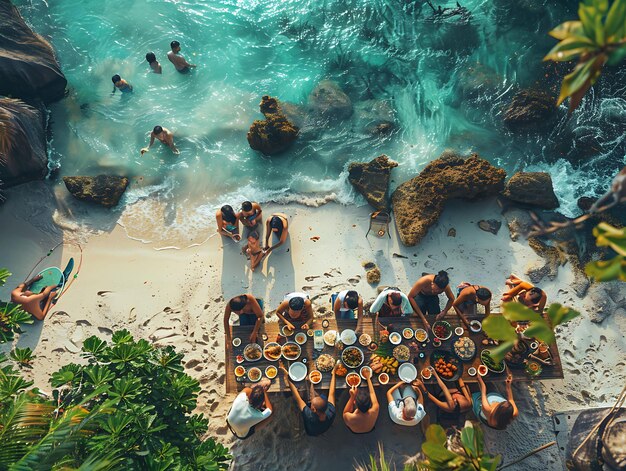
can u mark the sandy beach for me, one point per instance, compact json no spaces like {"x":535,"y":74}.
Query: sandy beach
{"x":177,"y":297}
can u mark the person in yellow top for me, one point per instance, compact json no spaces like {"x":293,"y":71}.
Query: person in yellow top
{"x":524,"y":293}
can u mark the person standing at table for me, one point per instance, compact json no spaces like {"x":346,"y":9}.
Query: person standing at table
{"x":361,"y":411}
{"x":468,"y":297}
{"x":250,"y":312}
{"x":424,"y":296}
{"x":319,"y":413}
{"x":344,"y":303}
{"x":296,"y":307}
{"x":391,"y":302}
{"x":251,"y":410}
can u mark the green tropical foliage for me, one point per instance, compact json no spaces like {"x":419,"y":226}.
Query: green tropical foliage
{"x":11,"y":314}
{"x":23,"y":357}
{"x":501,"y":329}
{"x":597,"y":38}
{"x":614,"y":269}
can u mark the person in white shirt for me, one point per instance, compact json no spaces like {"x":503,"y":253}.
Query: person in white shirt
{"x":250,"y":410}
{"x":406,"y":404}
{"x":391,"y":302}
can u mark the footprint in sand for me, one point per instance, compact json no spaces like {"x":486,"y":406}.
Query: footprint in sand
{"x":307,"y":288}
{"x":104,"y":330}
{"x":354,"y":280}
{"x":102,"y":293}
{"x":83,"y":322}
{"x":311,"y":277}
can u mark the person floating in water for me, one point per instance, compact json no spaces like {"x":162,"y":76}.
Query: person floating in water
{"x":179,"y":61}
{"x":123,"y":85}
{"x":165,"y":136}
{"x":37,"y":304}
{"x":154,"y":63}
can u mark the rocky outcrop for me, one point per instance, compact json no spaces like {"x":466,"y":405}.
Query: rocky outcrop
{"x":418,"y":203}
{"x":28,"y":67}
{"x":552,"y":260}
{"x":105,"y":190}
{"x":23,"y":154}
{"x":329,"y":100}
{"x":372,"y":180}
{"x":275,"y":133}
{"x":533,"y":188}
{"x":529,"y":110}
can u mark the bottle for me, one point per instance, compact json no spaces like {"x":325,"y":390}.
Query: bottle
{"x":318,"y":340}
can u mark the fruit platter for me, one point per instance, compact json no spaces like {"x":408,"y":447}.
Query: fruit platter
{"x":442,"y":330}
{"x":446,"y":365}
{"x":464,"y":348}
{"x":380,"y":364}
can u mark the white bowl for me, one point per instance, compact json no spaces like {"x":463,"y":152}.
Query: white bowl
{"x":397,"y":336}
{"x":297,"y":371}
{"x":363,"y":369}
{"x":407,"y":372}
{"x":236,"y":342}
{"x":348,"y":337}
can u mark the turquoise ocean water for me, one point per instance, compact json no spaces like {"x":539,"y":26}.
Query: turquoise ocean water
{"x":446,"y":82}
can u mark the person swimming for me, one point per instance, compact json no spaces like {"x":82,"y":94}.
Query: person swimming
{"x":165,"y":136}
{"x":154,"y":63}
{"x":121,"y":84}
{"x":179,"y":61}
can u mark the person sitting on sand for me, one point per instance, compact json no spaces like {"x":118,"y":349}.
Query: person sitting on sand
{"x":296,"y":307}
{"x":154,"y":63}
{"x":391,"y":302}
{"x":452,"y":402}
{"x":250,"y":312}
{"x":492,"y":408}
{"x":121,"y":84}
{"x":361,"y":411}
{"x":253,"y":250}
{"x":525,"y":293}
{"x":250,"y":411}
{"x":406,"y":403}
{"x":344,"y":303}
{"x":179,"y":61}
{"x":37,"y":304}
{"x":165,"y":136}
{"x":228,"y":222}
{"x":468,"y":296}
{"x":276,"y":226}
{"x":251,"y":216}
{"x":424,"y":296}
{"x":319,"y":413}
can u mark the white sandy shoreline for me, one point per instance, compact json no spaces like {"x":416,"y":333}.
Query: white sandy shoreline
{"x":177,"y":297}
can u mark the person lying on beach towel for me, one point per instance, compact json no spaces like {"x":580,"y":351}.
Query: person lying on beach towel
{"x":525,"y":293}
{"x":37,"y":304}
{"x":468,"y":296}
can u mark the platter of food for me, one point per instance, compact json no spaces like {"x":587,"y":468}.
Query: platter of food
{"x":407,"y":372}
{"x":421,"y":335}
{"x":384,"y":364}
{"x":315,"y":376}
{"x":516,"y":358}
{"x":254,"y":374}
{"x":272,"y":351}
{"x":442,"y":330}
{"x":365,"y":340}
{"x":402,"y":353}
{"x":353,"y":379}
{"x":490,"y":363}
{"x":407,"y":333}
{"x":395,"y":338}
{"x":300,"y":338}
{"x":446,"y":365}
{"x":325,"y":363}
{"x":286,"y":331}
{"x":464,"y":348}
{"x":352,"y":357}
{"x":297,"y":371}
{"x":291,"y":351}
{"x":271,"y":372}
{"x":330,"y":337}
{"x":253,"y":352}
{"x":348,"y":337}
{"x":341,"y":370}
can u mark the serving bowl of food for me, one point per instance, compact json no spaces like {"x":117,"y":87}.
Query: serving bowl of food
{"x":446,"y":365}
{"x":272,"y":351}
{"x":315,"y":376}
{"x":366,"y":372}
{"x":348,"y":336}
{"x":442,"y":330}
{"x":253,"y":352}
{"x":383,"y":378}
{"x":482,"y":370}
{"x":352,"y":357}
{"x":291,"y":351}
{"x":426,"y":373}
{"x":325,"y":363}
{"x":490,"y":363}
{"x":353,"y":379}
{"x":365,"y":340}
{"x":286,"y":331}
{"x":330,"y":337}
{"x":475,"y":326}
{"x":401,"y":353}
{"x":407,"y":333}
{"x":395,"y":338}
{"x":271,"y":372}
{"x":421,"y":335}
{"x":464,"y":348}
{"x":300,"y":338}
{"x":240,"y":371}
{"x":254,"y":374}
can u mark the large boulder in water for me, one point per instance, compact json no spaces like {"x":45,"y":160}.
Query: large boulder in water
{"x":533,"y":188}
{"x":418,"y":203}
{"x":105,"y":190}
{"x":23,"y":155}
{"x":275,"y":133}
{"x":28,"y":67}
{"x":529,"y":110}
{"x":329,"y":100}
{"x":372,"y":180}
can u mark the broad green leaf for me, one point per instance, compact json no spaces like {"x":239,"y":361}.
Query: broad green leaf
{"x":499,"y":328}
{"x":615,"y":19}
{"x":468,"y":440}
{"x":617,"y":56}
{"x":566,"y":29}
{"x":437,"y":454}
{"x":490,"y":463}
{"x":601,"y":6}
{"x":599,"y":29}
{"x":516,"y":311}
{"x":121,"y":336}
{"x":436,"y":434}
{"x":575,"y":80}
{"x":569,"y":48}
{"x":498,"y":353}
{"x":609,"y":236}
{"x":587,"y":16}
{"x":560,"y":314}
{"x":607,"y":270}
{"x":94,"y":346}
{"x":541,"y":331}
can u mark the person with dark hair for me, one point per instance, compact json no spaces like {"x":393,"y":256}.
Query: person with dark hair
{"x":453,"y":403}
{"x":179,"y":61}
{"x":424,"y":296}
{"x":406,"y":404}
{"x":525,"y":293}
{"x":344,"y":303}
{"x":154,"y":63}
{"x":296,"y":307}
{"x":165,"y":136}
{"x":228,"y":222}
{"x":492,"y":408}
{"x":250,"y":312}
{"x":36,"y":304}
{"x":468,"y":296}
{"x":121,"y":84}
{"x":251,"y":216}
{"x":253,"y":250}
{"x":391,"y":302}
{"x":319,"y":413}
{"x":277,"y":226}
{"x":251,"y":410}
{"x":361,"y":411}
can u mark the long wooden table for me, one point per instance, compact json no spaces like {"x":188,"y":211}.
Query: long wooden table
{"x":308,"y":355}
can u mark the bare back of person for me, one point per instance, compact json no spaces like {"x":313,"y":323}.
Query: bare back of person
{"x":361,"y":422}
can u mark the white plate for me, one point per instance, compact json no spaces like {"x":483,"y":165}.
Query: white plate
{"x":397,"y":336}
{"x":327,"y":334}
{"x":297,"y":371}
{"x":407,"y":372}
{"x":348,"y":337}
